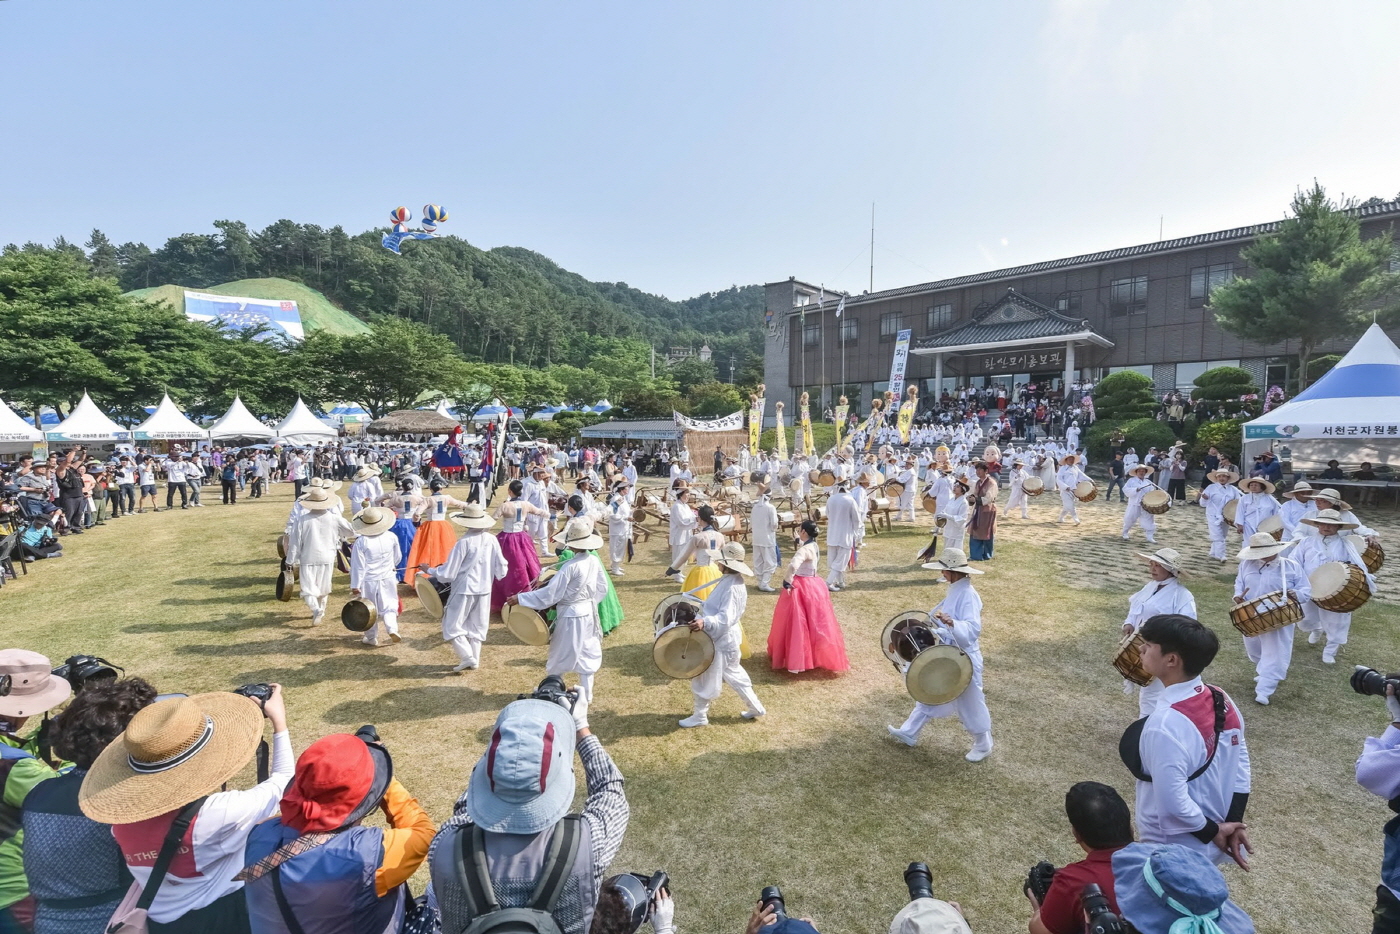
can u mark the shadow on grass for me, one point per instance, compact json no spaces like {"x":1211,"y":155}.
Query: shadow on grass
{"x":365,"y":665}
{"x":250,"y":597}
{"x":418,"y":703}
{"x":228,"y":623}
{"x":228,"y":583}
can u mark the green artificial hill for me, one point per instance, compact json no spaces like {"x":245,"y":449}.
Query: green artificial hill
{"x":317,"y":312}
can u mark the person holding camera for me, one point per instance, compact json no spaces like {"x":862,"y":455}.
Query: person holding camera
{"x":1378,"y":771}
{"x":925,"y":914}
{"x":721,"y":615}
{"x":629,"y":900}
{"x":1189,"y":755}
{"x":1102,"y":825}
{"x":75,"y":869}
{"x":511,"y":830}
{"x":317,"y":867}
{"x":160,"y":785}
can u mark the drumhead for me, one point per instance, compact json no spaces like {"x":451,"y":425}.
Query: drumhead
{"x":939,"y":674}
{"x":1033,"y":485}
{"x":826,"y":478}
{"x":1083,"y":488}
{"x":282,"y":546}
{"x":662,"y":616}
{"x":1156,"y":498}
{"x":682,"y":654}
{"x":1228,"y":511}
{"x":888,"y":638}
{"x":1329,"y":579}
{"x":1273,"y":525}
{"x":358,"y":616}
{"x":432,"y":594}
{"x":894,"y":488}
{"x":639,"y":514}
{"x":525,"y":624}
{"x":725,"y":523}
{"x":930,"y":504}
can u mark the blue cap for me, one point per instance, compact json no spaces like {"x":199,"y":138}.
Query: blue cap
{"x":790,"y":926}
{"x":1157,"y":886}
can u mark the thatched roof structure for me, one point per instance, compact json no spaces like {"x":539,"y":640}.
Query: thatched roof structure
{"x":412,"y":422}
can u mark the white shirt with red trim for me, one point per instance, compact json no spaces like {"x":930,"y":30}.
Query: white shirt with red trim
{"x":1176,"y":741}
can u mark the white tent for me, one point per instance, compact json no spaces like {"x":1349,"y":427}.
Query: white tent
{"x":13,"y":428}
{"x":87,"y":423}
{"x":302,"y":427}
{"x":168,"y":423}
{"x":239,"y":424}
{"x":445,"y":410}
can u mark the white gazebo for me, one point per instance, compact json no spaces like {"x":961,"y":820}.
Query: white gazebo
{"x":87,"y":423}
{"x":238,"y":424}
{"x":14,"y":429}
{"x":168,"y":423}
{"x":302,"y":427}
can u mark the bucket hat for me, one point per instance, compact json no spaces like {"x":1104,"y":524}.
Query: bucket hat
{"x":1332,"y":496}
{"x":1168,"y":558}
{"x":1301,"y":491}
{"x":1262,"y":545}
{"x":525,"y":782}
{"x":1244,"y":483}
{"x":28,"y":685}
{"x":732,"y":556}
{"x":578,"y":535}
{"x":929,"y":916}
{"x":1330,"y":517}
{"x":339,"y":779}
{"x":1160,"y":886}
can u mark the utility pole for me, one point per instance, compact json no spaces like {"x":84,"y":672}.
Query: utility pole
{"x":872,"y":246}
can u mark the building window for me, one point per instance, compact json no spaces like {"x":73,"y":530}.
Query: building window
{"x":811,"y":336}
{"x":1128,"y":296}
{"x":1206,"y":279}
{"x":850,"y":330}
{"x":940,"y":317}
{"x":889,"y":327}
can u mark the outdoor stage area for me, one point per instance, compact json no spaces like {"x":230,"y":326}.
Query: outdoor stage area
{"x":815,"y":797}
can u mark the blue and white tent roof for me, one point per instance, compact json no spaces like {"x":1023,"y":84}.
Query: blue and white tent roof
{"x":1358,"y":399}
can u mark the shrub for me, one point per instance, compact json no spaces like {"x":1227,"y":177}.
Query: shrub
{"x":1224,"y":435}
{"x":1224,"y":384}
{"x":1138,"y":434}
{"x":823,"y":436}
{"x":1124,"y":396}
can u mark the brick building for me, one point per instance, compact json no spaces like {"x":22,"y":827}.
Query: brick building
{"x":1137,"y":308}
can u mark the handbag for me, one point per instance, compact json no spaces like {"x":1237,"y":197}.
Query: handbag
{"x":130,"y":916}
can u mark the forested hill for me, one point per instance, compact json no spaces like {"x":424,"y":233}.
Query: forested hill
{"x":505,"y":305}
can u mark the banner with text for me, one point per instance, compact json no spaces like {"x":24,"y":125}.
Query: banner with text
{"x":901,"y":359}
{"x":234,"y":314}
{"x":732,"y":422}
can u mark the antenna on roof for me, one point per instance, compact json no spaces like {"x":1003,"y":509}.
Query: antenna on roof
{"x":1161,"y":222}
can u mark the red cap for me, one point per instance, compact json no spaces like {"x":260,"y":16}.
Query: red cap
{"x":333,"y":776}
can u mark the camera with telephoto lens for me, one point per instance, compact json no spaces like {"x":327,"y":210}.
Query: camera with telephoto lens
{"x":1372,"y":682}
{"x":261,"y":693}
{"x":552,"y":689}
{"x":1102,"y":920}
{"x":920,"y":881}
{"x":772,"y":897}
{"x":638,"y":894}
{"x":82,"y":670}
{"x":1038,"y":881}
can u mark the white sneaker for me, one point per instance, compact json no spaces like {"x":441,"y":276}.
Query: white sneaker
{"x":465,"y":666}
{"x":753,"y":713}
{"x":1329,"y":654}
{"x":980,"y":749}
{"x":316,"y":618}
{"x":618,"y":572}
{"x":395,"y":638}
{"x":695,"y":720}
{"x":1314,"y":637}
{"x":902,"y":736}
{"x":1261,"y":699}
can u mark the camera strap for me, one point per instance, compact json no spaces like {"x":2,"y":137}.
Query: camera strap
{"x":1130,"y":748}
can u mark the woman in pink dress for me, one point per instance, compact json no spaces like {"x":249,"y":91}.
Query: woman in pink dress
{"x":517,"y":546}
{"x":805,"y":633}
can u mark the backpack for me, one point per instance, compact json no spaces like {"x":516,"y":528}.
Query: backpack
{"x":9,"y":813}
{"x":488,"y":916}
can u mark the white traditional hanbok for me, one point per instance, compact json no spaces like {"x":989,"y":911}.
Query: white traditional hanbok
{"x":576,"y":644}
{"x":1156,"y":598}
{"x":312,"y":545}
{"x":373,"y":563}
{"x":723,"y":613}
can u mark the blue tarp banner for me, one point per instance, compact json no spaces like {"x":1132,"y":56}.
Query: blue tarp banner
{"x":283,"y":318}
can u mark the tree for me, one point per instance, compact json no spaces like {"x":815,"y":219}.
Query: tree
{"x":691,"y":372}
{"x":392,"y":367}
{"x":712,"y":399}
{"x":102,"y":256}
{"x":1124,"y":395}
{"x":1223,"y":384}
{"x":1315,"y":280}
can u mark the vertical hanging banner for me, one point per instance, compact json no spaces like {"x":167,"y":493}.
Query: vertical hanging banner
{"x":806,"y":444}
{"x":901,"y":358}
{"x":906,"y":414}
{"x":781,"y":445}
{"x":843,"y":411}
{"x":873,"y":423}
{"x":755,"y":417}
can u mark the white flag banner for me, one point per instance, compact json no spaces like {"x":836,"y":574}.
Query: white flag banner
{"x":841,"y":306}
{"x":734,"y":422}
{"x":901,"y":358}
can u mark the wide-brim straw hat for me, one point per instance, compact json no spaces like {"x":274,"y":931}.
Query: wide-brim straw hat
{"x":1331,"y":517}
{"x":33,"y":686}
{"x":373,"y":520}
{"x":1137,"y":467}
{"x":1168,"y":558}
{"x":952,"y":559}
{"x":1332,"y":496}
{"x":472,"y":516}
{"x":1229,"y":475}
{"x":364,"y":473}
{"x":732,"y":556}
{"x":1244,"y":483}
{"x":1262,"y":545}
{"x":170,"y":754}
{"x":579,"y":535}
{"x":1069,"y":459}
{"x":1301,"y":490}
{"x":318,"y":499}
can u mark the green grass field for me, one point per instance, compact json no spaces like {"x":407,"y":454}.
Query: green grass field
{"x":815,"y":797}
{"x":317,"y":311}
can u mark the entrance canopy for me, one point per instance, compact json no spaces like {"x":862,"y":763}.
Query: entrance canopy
{"x":87,"y":423}
{"x":1356,"y":400}
{"x":168,"y":423}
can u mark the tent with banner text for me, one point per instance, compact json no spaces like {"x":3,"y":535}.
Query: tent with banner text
{"x":1353,"y":411}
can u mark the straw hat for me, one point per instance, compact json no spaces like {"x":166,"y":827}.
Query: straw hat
{"x":1168,"y":558}
{"x":578,"y":535}
{"x":1262,"y":545}
{"x":364,"y":473}
{"x":952,"y":559}
{"x":1244,"y":483}
{"x":1229,"y":475}
{"x":1137,"y":467}
{"x":1331,"y":517}
{"x":171,"y":753}
{"x":33,"y":688}
{"x":1069,"y":460}
{"x":472,"y":516}
{"x":731,"y":556}
{"x":1332,"y":496}
{"x":1301,"y":491}
{"x":373,"y":520}
{"x":317,"y":500}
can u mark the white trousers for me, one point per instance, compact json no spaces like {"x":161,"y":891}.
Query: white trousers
{"x":1019,"y":498}
{"x":725,"y":669}
{"x":838,"y":560}
{"x":970,"y":709}
{"x":1069,"y":506}
{"x":1135,"y":514}
{"x":765,"y":561}
{"x":1217,"y":529}
{"x":1336,"y":625}
{"x":617,"y":545}
{"x":383,"y":595}
{"x":953,"y":533}
{"x":1270,"y":654}
{"x":678,"y":550}
{"x":465,"y":621}
{"x":315,"y":584}
{"x":906,"y":505}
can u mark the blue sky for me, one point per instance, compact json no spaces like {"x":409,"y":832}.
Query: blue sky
{"x":686,"y":147}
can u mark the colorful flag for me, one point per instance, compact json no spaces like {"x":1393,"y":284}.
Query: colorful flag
{"x":843,"y":412}
{"x":781,"y":445}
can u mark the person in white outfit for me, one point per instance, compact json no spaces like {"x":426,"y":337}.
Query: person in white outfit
{"x":679,"y":530}
{"x":474,"y":563}
{"x":535,"y":491}
{"x":1072,"y":436}
{"x":618,"y":512}
{"x":955,"y":511}
{"x":365,"y":488}
{"x":908,"y":476}
{"x":957,"y":619}
{"x":1136,"y":488}
{"x":1295,"y":506}
{"x":1256,"y":505}
{"x":720,"y":617}
{"x":843,"y":527}
{"x":763,"y":529}
{"x":373,"y":559}
{"x":1219,"y":493}
{"x":1264,"y":570}
{"x":1313,"y":551}
{"x":312,"y":544}
{"x":576,"y":644}
{"x":1018,"y":492}
{"x":1066,"y":478}
{"x":1163,"y":594}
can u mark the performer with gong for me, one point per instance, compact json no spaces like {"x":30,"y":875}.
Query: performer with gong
{"x":472,"y":566}
{"x":1268,"y":581}
{"x":373,"y":559}
{"x":720,"y":617}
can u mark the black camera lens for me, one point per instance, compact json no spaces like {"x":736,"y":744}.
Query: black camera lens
{"x":1101,"y":919}
{"x":368,"y":733}
{"x":772,"y":897}
{"x":920,"y":881}
{"x":1372,"y":682}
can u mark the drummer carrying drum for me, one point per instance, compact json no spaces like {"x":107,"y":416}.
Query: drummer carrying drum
{"x":1162,"y":594}
{"x":1270,"y":582}
{"x":1135,"y":489}
{"x":956,"y":620}
{"x":720,"y":617}
{"x":1328,"y":558}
